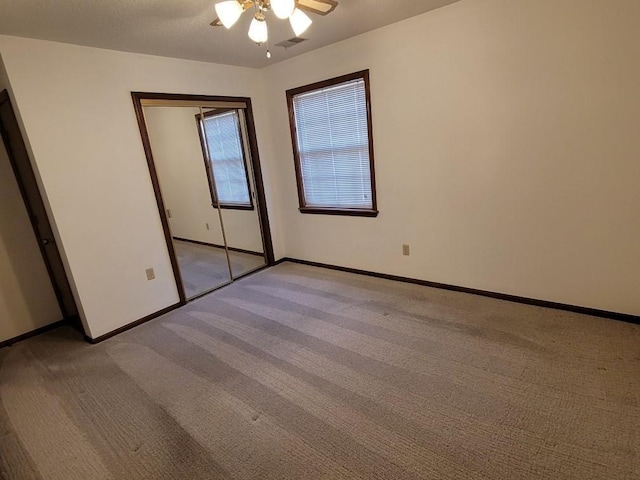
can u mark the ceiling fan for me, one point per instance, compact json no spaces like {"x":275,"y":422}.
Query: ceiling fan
{"x":229,"y":11}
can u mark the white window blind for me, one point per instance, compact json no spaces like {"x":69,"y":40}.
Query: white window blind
{"x":333,"y":146}
{"x":225,"y":150}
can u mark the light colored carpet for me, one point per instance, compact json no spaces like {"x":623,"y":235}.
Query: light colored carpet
{"x":204,"y":268}
{"x":303,"y":373}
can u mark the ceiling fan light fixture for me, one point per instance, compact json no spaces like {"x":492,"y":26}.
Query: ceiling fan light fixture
{"x":229,"y":12}
{"x":258,"y":31}
{"x":283,"y":8}
{"x":300,"y":21}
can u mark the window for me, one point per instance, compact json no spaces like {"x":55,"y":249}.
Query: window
{"x":333,"y":147}
{"x":226,"y":151}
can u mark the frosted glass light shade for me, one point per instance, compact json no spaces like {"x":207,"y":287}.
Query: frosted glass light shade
{"x":283,"y":8}
{"x":300,"y":21}
{"x":258,"y":31}
{"x":229,"y":12}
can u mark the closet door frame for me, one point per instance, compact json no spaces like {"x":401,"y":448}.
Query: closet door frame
{"x":172,"y":100}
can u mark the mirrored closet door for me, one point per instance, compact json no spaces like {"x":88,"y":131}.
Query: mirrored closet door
{"x":202,"y":161}
{"x":232,"y":187}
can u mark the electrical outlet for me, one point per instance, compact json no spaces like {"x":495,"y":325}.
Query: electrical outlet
{"x":405,"y":250}
{"x":207,"y":226}
{"x":150,"y":273}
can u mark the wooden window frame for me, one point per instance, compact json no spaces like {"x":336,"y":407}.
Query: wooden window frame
{"x":207,"y":166}
{"x":356,"y":212}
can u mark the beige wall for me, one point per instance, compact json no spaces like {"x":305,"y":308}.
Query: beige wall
{"x":27,"y":300}
{"x":506,"y":142}
{"x":183,"y":180}
{"x":507,"y":147}
{"x":75,"y":106}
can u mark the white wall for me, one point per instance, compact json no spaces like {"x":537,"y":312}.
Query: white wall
{"x":27,"y":300}
{"x":507,"y":150}
{"x":179,"y":162}
{"x":75,"y":107}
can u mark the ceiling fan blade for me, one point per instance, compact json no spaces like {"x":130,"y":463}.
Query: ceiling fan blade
{"x":245,"y":6}
{"x":321,"y":7}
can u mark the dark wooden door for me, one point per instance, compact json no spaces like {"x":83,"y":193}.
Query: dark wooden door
{"x":17,"y":152}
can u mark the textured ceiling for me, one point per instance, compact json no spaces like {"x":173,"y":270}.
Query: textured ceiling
{"x":179,"y":28}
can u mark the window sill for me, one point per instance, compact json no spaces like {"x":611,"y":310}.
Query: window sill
{"x":349,"y":212}
{"x":234,"y":207}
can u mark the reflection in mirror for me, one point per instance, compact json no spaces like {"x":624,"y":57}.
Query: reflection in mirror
{"x":195,"y":226}
{"x":232,"y":187}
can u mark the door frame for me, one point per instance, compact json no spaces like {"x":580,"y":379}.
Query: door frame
{"x":138,"y":98}
{"x":30,"y":198}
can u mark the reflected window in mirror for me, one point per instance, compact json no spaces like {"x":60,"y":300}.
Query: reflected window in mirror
{"x":225,"y":145}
